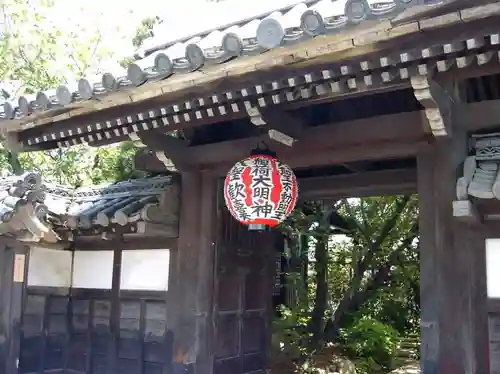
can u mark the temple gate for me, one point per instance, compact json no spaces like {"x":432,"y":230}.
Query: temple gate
{"x":379,"y":99}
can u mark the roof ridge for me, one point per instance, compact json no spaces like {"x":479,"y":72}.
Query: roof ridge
{"x":111,"y":189}
{"x":263,"y":14}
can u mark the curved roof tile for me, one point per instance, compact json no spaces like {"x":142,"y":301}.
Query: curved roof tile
{"x":287,"y":25}
{"x":27,"y":204}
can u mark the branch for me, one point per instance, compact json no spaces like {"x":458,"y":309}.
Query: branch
{"x":355,"y":222}
{"x":87,"y":64}
{"x":77,"y":65}
{"x":354,"y":298}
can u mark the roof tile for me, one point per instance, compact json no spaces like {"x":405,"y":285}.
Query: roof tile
{"x":249,"y":36}
{"x":28,"y":205}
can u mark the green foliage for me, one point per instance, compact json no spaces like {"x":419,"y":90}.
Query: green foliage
{"x":291,"y":337}
{"x":372,"y":343}
{"x":36,"y":55}
{"x":143,"y":32}
{"x":372,"y":272}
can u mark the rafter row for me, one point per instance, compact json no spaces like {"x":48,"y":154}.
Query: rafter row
{"x":226,"y":111}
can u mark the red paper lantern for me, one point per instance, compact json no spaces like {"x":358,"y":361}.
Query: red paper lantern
{"x":260,"y":190}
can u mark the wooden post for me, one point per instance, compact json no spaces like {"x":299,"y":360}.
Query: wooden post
{"x":13,"y":267}
{"x":191,"y":290}
{"x":453,"y":291}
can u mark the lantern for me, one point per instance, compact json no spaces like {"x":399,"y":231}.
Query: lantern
{"x":260,"y":191}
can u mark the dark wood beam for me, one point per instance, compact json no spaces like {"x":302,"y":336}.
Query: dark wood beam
{"x":146,"y":160}
{"x":174,"y":148}
{"x":125,"y":243}
{"x":483,"y":115}
{"x":371,"y":183}
{"x":374,"y":152}
{"x":282,"y":128}
{"x":370,"y":138}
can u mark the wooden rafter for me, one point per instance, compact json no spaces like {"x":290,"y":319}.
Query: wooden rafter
{"x":382,"y":38}
{"x":281,"y":127}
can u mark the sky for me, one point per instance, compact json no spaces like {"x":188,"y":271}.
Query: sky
{"x":117,"y":20}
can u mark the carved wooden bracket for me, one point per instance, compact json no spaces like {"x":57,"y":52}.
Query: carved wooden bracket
{"x":167,"y":148}
{"x":281,"y":127}
{"x":152,"y":161}
{"x":437,"y":102}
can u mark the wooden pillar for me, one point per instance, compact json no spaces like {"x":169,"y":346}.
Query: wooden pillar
{"x":13,"y":268}
{"x":454,"y":323}
{"x":192,"y":274}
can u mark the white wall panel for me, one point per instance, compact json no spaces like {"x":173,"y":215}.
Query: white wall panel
{"x":49,"y":268}
{"x":145,"y":270}
{"x":493,"y":267}
{"x":93,"y":269}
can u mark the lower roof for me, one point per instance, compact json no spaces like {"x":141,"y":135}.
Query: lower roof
{"x":31,"y":210}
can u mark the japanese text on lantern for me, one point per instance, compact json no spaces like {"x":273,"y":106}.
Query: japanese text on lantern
{"x":260,"y":190}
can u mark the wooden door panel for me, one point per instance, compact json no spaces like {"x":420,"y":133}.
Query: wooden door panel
{"x":227,"y":336}
{"x":245,"y":267}
{"x":32,"y":334}
{"x":253,"y":334}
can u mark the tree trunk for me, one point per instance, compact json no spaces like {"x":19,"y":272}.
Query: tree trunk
{"x":304,"y":252}
{"x":321,"y":297}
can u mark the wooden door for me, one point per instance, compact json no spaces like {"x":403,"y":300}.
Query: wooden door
{"x":245,"y":271}
{"x":13,"y":266}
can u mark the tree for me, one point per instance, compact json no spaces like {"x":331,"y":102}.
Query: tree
{"x":362,"y":277}
{"x":143,"y":32}
{"x":35,"y":55}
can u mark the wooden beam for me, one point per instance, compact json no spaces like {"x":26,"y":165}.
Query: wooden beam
{"x":483,"y":115}
{"x":437,"y":102}
{"x":174,"y":148}
{"x":153,"y":161}
{"x":281,"y":126}
{"x":365,"y":184}
{"x":146,"y":160}
{"x":326,"y":157}
{"x":338,"y":142}
{"x":125,"y":243}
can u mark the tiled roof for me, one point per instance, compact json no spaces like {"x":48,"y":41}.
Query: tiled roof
{"x":34,"y":211}
{"x":248,"y":36}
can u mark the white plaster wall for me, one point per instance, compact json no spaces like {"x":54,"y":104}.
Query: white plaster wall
{"x":145,"y":270}
{"x":493,"y":267}
{"x":93,"y":269}
{"x":49,"y":268}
